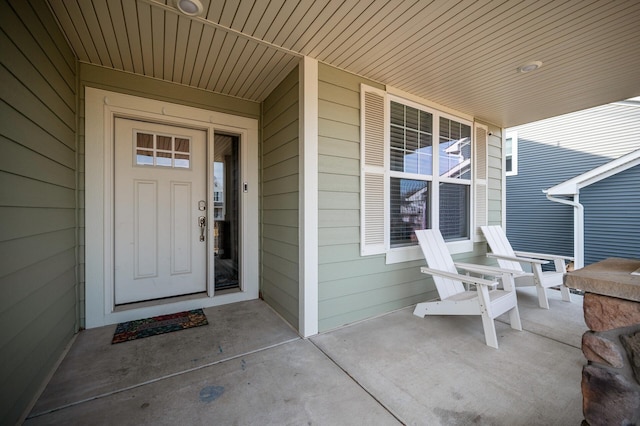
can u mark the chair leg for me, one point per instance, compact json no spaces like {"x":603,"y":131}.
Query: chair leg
{"x":566,"y":294}
{"x":542,"y":297}
{"x":490,"y":335}
{"x":420,"y":310}
{"x":514,"y":319}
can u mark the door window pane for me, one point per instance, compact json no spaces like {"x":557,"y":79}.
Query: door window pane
{"x":182,"y":145}
{"x":164,"y":143}
{"x":144,"y":140}
{"x":144,"y":157}
{"x":162,"y":150}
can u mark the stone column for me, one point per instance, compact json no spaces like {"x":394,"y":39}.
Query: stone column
{"x":611,"y":378}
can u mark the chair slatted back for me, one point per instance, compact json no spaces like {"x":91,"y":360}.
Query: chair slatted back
{"x":499,"y":244}
{"x":438,"y":257}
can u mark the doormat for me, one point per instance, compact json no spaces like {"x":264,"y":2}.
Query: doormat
{"x":161,"y":324}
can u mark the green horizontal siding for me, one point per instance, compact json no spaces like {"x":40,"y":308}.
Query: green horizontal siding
{"x":350,"y":287}
{"x":38,"y":190}
{"x":279,"y":199}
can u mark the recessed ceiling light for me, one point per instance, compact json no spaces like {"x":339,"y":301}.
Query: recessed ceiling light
{"x":530,"y":66}
{"x":189,"y":7}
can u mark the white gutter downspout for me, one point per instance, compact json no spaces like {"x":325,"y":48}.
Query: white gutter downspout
{"x":578,"y":227}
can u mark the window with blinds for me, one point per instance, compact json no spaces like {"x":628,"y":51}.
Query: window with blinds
{"x":412,"y":166}
{"x":418,"y":170}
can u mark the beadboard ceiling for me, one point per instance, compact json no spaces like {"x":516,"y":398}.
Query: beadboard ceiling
{"x":462,"y":54}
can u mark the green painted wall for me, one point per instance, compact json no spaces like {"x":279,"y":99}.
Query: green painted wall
{"x":38,"y":218}
{"x":280,"y":199}
{"x":352,"y":287}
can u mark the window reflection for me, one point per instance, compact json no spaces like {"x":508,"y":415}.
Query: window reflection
{"x":226,"y":204}
{"x":409,"y":210}
{"x":455,"y":149}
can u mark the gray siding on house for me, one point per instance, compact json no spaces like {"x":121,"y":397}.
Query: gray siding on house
{"x":552,"y":151}
{"x":37,"y":201}
{"x":136,"y":85}
{"x":612,"y":217}
{"x":533,"y":222}
{"x":279,"y":158}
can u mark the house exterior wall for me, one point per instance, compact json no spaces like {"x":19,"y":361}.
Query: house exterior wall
{"x":353,"y":287}
{"x":38,"y":222}
{"x":552,"y":151}
{"x":612,"y":232}
{"x":279,"y":158}
{"x":533,"y":222}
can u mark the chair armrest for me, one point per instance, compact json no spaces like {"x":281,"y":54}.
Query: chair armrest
{"x":542,"y":255}
{"x":518,"y":259}
{"x":458,"y":277}
{"x":486,"y":269}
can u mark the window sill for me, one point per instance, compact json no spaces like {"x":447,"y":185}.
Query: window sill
{"x":408,"y":254}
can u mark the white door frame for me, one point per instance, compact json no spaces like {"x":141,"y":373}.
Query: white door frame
{"x":101,"y":107}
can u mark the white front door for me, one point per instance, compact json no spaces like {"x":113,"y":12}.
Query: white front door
{"x":160,"y":195}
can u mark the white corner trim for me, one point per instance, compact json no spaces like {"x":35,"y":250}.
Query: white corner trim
{"x":308,"y":193}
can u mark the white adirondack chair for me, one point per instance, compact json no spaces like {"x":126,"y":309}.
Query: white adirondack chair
{"x":509,"y":259}
{"x":487,"y":301}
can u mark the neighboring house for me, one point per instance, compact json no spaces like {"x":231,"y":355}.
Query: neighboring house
{"x":325,"y":118}
{"x":588,"y":162}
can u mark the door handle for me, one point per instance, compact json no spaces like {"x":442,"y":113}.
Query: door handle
{"x":202,"y":223}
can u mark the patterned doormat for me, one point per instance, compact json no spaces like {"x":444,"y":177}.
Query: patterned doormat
{"x":161,"y":324}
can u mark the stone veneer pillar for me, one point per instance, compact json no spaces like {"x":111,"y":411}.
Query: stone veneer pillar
{"x":611,"y":378}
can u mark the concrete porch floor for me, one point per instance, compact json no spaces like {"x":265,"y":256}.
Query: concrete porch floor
{"x":248,"y":367}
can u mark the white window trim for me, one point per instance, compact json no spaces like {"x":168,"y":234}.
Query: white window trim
{"x":412,"y":253}
{"x":514,"y":154}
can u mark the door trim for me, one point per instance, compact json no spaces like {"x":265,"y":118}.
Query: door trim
{"x":101,"y":108}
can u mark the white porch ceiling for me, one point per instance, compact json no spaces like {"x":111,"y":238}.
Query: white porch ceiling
{"x":459,"y":53}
